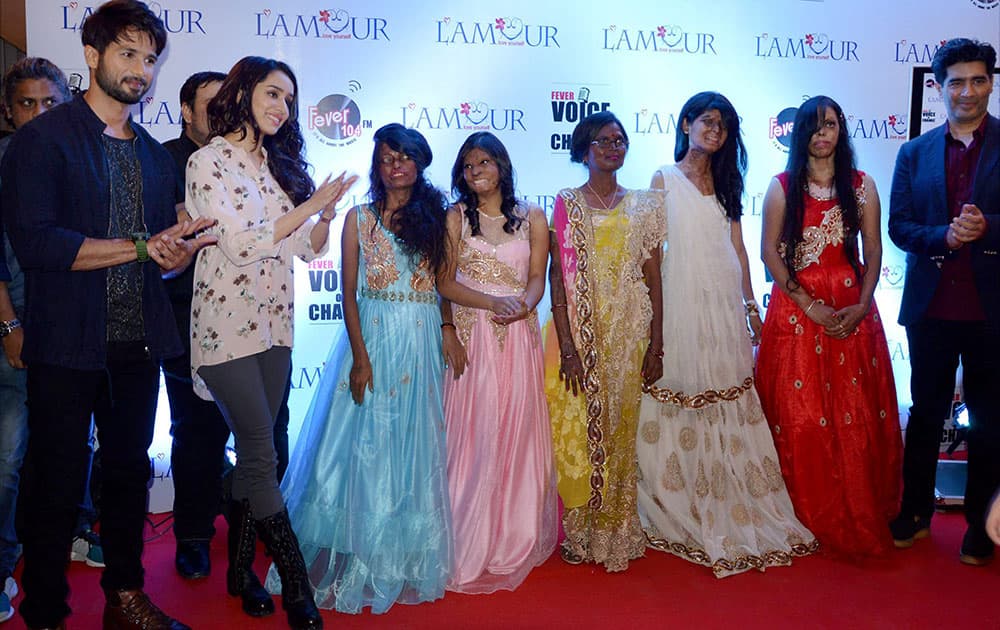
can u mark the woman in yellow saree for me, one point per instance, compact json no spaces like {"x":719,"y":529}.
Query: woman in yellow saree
{"x":606,"y":308}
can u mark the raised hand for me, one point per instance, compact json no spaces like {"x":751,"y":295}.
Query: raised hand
{"x":329,"y":193}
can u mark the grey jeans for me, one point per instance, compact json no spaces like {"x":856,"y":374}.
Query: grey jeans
{"x":248,"y":392}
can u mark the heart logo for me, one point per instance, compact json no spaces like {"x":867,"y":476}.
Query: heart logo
{"x":339,"y":20}
{"x":412,"y":106}
{"x":893,"y":274}
{"x":267,"y":12}
{"x":672,"y":35}
{"x":160,"y":456}
{"x":643,"y":111}
{"x":612,"y":27}
{"x":478,"y":111}
{"x":148,"y":100}
{"x":447,"y":20}
{"x":818,"y":42}
{"x":73,"y":5}
{"x":512,"y":28}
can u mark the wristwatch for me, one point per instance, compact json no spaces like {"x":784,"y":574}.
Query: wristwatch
{"x":141,"y":253}
{"x":8,"y":327}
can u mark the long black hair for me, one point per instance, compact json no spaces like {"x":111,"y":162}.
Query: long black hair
{"x":420,"y":226}
{"x":729,"y":163}
{"x":231,"y":111}
{"x":808,"y":120}
{"x":491,"y":145}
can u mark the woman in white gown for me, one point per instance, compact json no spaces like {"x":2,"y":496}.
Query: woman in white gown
{"x":710,"y":487}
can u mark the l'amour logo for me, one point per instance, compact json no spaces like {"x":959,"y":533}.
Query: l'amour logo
{"x":336,"y":120}
{"x":500,"y":31}
{"x":814,"y":46}
{"x":892,"y":127}
{"x":916,"y":52}
{"x":649,"y":122}
{"x":175,"y":20}
{"x":664,"y":38}
{"x":468,"y":115}
{"x":323,"y":24}
{"x":153,"y":112}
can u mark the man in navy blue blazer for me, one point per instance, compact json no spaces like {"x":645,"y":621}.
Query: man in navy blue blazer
{"x":945,"y":214}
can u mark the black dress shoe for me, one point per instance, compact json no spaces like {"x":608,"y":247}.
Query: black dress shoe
{"x":907,"y":529}
{"x":192,"y":560}
{"x":977,"y":548}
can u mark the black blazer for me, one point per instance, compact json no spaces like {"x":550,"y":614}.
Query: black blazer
{"x":919,"y":219}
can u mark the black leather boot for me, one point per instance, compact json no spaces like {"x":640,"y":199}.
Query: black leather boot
{"x":240,"y":579}
{"x":296,"y":593}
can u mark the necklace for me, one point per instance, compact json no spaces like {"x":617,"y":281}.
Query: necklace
{"x":614,"y":194}
{"x":491,"y":217}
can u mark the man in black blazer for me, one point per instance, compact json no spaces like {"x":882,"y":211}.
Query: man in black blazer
{"x":945,"y":214}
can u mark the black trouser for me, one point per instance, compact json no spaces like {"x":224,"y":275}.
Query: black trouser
{"x":122,"y":399}
{"x":199,"y":435}
{"x":249,"y":392}
{"x":935,"y":348}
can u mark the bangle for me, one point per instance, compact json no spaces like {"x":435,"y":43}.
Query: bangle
{"x":445,"y":324}
{"x":569,"y":355}
{"x":811,"y":304}
{"x":324,"y":219}
{"x":658,"y":354}
{"x":751,"y":308}
{"x":555,"y":306}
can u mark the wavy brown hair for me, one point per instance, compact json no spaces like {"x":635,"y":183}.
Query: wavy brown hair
{"x":231,"y":111}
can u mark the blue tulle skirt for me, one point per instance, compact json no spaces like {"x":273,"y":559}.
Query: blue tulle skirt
{"x":366,"y":487}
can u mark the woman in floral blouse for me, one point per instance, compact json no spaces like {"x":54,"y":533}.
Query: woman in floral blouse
{"x":252,"y":179}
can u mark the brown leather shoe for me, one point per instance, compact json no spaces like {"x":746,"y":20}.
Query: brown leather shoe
{"x":126,"y":610}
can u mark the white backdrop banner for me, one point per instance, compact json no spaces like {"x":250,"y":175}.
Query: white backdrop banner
{"x":529,"y":72}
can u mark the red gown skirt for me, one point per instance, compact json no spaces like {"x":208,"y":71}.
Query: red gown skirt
{"x":832,"y":407}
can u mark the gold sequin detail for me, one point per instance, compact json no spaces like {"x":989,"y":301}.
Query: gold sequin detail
{"x":672,"y":479}
{"x":650,"y":432}
{"x":756,"y":483}
{"x":688,"y":438}
{"x":701,"y":399}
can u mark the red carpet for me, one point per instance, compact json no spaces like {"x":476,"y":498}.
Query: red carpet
{"x":923,"y":587}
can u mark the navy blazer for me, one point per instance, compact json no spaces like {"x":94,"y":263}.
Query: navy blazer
{"x":57,"y":192}
{"x":919,"y":220}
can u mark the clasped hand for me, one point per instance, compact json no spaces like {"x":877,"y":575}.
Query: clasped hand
{"x":838,"y":323}
{"x":172,"y":250}
{"x":968,"y":226}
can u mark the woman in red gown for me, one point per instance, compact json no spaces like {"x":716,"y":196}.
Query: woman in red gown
{"x":823,"y":373}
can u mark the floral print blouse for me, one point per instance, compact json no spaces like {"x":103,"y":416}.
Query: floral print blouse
{"x":243,"y":291}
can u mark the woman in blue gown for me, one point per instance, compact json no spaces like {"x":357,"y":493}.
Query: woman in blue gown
{"x":366,"y":486}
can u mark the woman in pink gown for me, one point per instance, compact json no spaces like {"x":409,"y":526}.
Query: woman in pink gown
{"x":500,"y":472}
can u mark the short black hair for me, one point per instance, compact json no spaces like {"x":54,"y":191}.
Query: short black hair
{"x":32,"y":68}
{"x":962,"y":50}
{"x":113,"y":19}
{"x":190,"y":88}
{"x":585,"y":132}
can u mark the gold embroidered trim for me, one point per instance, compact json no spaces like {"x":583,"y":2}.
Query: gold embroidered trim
{"x":380,"y":259}
{"x":422,"y":278}
{"x":400,"y":296}
{"x":701,"y":399}
{"x":581,"y":233}
{"x":724,"y":566}
{"x":486,"y":269}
